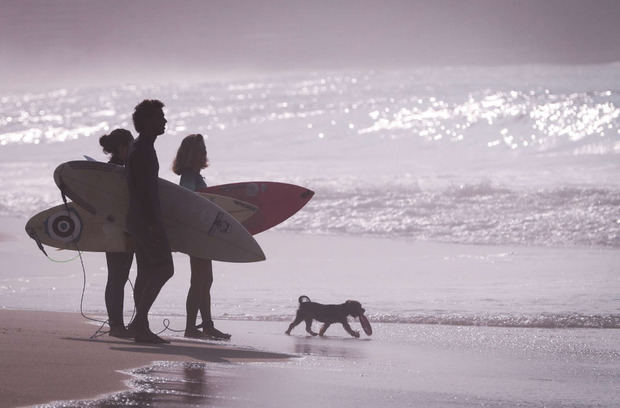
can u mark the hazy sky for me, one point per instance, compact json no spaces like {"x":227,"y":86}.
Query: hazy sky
{"x":44,"y":42}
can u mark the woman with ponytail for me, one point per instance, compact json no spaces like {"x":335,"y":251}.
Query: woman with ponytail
{"x":116,"y":144}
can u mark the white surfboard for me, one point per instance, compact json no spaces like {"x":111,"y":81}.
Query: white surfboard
{"x":239,"y":209}
{"x":195,"y":225}
{"x":71,"y":227}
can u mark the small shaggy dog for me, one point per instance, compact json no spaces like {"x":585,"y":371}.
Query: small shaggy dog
{"x":328,"y":314}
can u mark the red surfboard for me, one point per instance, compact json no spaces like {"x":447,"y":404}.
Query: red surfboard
{"x":276,"y":202}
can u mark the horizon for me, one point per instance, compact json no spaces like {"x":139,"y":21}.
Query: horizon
{"x":48,"y":45}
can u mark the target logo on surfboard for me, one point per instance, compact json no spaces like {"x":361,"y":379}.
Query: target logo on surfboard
{"x":64,"y":226}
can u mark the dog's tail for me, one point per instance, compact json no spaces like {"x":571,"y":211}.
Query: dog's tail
{"x":304,"y":298}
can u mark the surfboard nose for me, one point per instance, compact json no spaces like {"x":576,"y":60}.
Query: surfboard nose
{"x":233,"y":242}
{"x":255,"y":252}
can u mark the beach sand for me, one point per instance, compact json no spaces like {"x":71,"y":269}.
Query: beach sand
{"x":48,"y":356}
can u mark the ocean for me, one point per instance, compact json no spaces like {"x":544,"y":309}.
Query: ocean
{"x":455,"y":196}
{"x":521,"y":155}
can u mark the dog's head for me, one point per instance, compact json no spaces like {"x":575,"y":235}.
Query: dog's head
{"x":354,"y":308}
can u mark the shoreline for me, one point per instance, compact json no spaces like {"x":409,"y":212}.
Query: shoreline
{"x":43,"y":354}
{"x":46,"y":357}
{"x":399,"y":365}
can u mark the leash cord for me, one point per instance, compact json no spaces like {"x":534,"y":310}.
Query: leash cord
{"x":100,"y":331}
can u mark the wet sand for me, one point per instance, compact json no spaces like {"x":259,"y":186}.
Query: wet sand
{"x":48,"y":356}
{"x":400,"y":365}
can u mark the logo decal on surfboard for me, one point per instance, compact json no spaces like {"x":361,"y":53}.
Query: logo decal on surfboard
{"x":220,"y":225}
{"x":64,"y":226}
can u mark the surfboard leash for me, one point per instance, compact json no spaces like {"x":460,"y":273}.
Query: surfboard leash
{"x":99,"y":331}
{"x":166,"y":323}
{"x":33,"y":234}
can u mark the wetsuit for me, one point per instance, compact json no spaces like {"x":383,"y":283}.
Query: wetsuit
{"x":119,"y":264}
{"x":144,"y":223}
{"x":192,"y":180}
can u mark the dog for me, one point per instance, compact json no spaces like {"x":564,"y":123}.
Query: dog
{"x":327,"y":314}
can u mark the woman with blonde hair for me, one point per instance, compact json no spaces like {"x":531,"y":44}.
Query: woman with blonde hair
{"x":191,"y":158}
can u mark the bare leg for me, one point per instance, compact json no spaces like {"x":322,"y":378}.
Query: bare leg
{"x":205,"y":266}
{"x":119,"y":264}
{"x":194,"y":298}
{"x":151,"y":276}
{"x":206,"y":269}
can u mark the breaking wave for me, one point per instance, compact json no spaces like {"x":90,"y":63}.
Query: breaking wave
{"x":543,"y":320}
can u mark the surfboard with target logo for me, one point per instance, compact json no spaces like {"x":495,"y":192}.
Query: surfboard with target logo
{"x":195,"y":225}
{"x":71,"y":227}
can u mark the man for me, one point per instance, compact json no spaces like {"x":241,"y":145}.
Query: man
{"x":144,"y":220}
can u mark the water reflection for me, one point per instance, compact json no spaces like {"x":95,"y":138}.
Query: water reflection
{"x":337,"y":347}
{"x":386,"y":105}
{"x":167,"y":384}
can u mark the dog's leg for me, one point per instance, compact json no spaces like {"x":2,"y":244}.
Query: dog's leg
{"x":349,"y":330}
{"x":324,"y":329}
{"x":309,"y":327}
{"x":298,"y":319}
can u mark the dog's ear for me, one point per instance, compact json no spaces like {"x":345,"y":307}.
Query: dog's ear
{"x":353,"y":307}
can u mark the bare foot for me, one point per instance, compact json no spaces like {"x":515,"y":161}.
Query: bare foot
{"x":149,"y":337}
{"x":194,"y":334}
{"x":121,"y":332}
{"x":215,"y":334}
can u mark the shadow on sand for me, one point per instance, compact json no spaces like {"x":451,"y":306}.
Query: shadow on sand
{"x":196,"y":350}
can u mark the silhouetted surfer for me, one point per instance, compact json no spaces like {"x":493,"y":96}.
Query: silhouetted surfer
{"x":144,"y":220}
{"x":191,"y":158}
{"x":117,"y":145}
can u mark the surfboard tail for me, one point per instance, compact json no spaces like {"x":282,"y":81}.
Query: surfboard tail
{"x":66,"y":191}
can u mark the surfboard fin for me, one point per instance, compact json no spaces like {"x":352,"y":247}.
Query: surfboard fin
{"x":32,"y":234}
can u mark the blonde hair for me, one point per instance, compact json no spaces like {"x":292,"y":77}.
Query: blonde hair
{"x":192,"y":152}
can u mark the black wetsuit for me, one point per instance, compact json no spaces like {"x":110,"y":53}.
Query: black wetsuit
{"x":142,"y":179}
{"x":119,"y":264}
{"x":144,"y":222}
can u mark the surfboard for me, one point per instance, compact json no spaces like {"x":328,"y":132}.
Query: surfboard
{"x":276,"y":202}
{"x":195,"y":226}
{"x":71,"y":227}
{"x":239,"y":209}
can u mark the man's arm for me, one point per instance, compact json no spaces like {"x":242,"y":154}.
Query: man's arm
{"x":144,"y":187}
